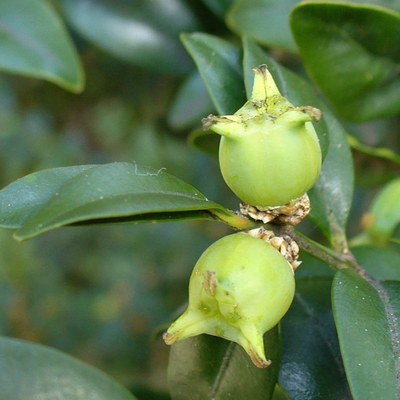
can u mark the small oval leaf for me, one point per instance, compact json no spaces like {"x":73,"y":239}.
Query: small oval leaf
{"x":367,"y":315}
{"x":352,"y":52}
{"x":218,"y":62}
{"x":33,"y":42}
{"x":266,"y":21}
{"x":138,"y":32}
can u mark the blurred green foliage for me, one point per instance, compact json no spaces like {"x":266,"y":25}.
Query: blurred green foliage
{"x":104,"y":293}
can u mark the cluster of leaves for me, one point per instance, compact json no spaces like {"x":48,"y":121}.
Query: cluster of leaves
{"x":340,"y":338}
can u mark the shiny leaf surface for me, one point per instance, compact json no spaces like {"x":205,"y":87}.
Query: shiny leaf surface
{"x":352,"y":52}
{"x":367,"y":315}
{"x":218,"y":62}
{"x":34,"y":42}
{"x":118,"y":192}
{"x":266,"y":21}
{"x":138,"y":32}
{"x":381,"y":264}
{"x":311,"y":366}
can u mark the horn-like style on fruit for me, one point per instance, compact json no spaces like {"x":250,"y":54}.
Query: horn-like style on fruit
{"x":269,"y":152}
{"x":239,"y":289}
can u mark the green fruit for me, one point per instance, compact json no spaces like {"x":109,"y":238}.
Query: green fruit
{"x":269,"y":152}
{"x":240,"y":288}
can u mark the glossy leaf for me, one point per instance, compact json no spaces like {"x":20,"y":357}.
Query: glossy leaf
{"x":367,"y":315}
{"x":311,"y":366}
{"x":384,"y":215}
{"x":352,"y":52}
{"x":207,"y":367}
{"x":331,"y":197}
{"x":381,"y":264}
{"x":34,"y":42}
{"x":118,"y":192}
{"x":218,"y":62}
{"x":140,"y":32}
{"x":23,"y":198}
{"x":266,"y":21}
{"x":31,"y":371}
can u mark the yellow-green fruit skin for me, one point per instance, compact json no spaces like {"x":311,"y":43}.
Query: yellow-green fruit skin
{"x":240,"y":288}
{"x":270,"y":163}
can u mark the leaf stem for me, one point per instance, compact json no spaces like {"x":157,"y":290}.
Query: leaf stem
{"x":334,"y":259}
{"x":325,"y":254}
{"x":234,"y":220}
{"x":380,"y":152}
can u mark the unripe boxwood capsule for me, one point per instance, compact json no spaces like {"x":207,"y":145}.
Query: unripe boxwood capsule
{"x":240,"y":288}
{"x":269,"y":152}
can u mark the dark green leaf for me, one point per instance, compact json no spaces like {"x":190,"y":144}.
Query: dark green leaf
{"x":332,"y":195}
{"x":31,"y":371}
{"x":33,"y":42}
{"x":118,"y":192}
{"x":23,"y":198}
{"x":144,"y":33}
{"x":367,"y":315}
{"x":311,"y":366}
{"x":352,"y":52}
{"x":218,"y":7}
{"x":266,"y":21}
{"x":218,"y":62}
{"x":312,"y":267}
{"x":381,"y":264}
{"x":209,"y":368}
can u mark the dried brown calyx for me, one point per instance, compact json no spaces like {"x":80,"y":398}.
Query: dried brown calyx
{"x":288,"y":214}
{"x":284,"y":244}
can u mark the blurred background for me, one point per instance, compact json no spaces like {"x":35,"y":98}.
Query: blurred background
{"x":104,"y":294}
